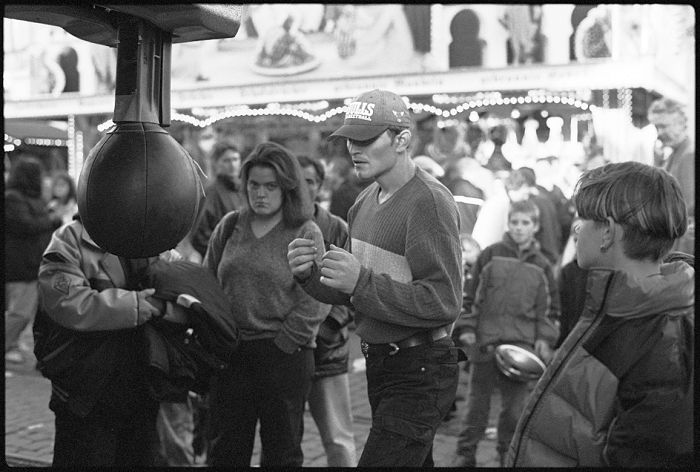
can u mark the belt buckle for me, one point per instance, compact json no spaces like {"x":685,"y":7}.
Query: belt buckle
{"x":395,"y":347}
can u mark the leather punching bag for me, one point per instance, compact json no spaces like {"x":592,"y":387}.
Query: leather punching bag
{"x":139,"y":190}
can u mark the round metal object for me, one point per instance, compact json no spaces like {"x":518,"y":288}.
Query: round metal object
{"x":518,"y":363}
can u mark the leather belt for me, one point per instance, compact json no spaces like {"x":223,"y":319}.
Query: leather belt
{"x":422,"y":337}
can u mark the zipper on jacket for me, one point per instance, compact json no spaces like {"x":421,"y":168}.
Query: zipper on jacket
{"x":594,"y":324}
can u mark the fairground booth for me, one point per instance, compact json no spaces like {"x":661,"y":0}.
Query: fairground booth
{"x":551,"y":73}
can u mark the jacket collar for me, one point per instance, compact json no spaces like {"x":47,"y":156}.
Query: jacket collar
{"x":532,"y":248}
{"x":627,"y":296}
{"x":227,"y":182}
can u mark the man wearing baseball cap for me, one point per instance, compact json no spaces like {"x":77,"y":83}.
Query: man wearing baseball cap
{"x":401,"y":272}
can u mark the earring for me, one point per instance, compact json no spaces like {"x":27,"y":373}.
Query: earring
{"x":604,"y":248}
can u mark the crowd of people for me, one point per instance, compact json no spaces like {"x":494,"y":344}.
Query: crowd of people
{"x":434,"y":259}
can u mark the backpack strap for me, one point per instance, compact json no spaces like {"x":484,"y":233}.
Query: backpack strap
{"x":230,"y":224}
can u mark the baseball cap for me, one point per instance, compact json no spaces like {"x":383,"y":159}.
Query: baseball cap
{"x":372,"y":113}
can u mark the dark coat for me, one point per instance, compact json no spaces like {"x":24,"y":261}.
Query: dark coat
{"x":549,"y":234}
{"x":332,"y":351}
{"x":222,"y":196}
{"x":28,"y":229}
{"x":184,"y":357}
{"x":572,"y":294}
{"x":620,"y":390}
{"x":468,"y":207}
{"x":511,"y":298}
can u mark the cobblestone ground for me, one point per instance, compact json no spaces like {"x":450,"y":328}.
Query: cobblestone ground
{"x":29,"y":431}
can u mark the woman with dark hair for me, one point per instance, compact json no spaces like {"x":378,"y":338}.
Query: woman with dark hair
{"x":63,"y":201}
{"x":28,"y":229}
{"x":619,"y":391}
{"x":270,"y":375}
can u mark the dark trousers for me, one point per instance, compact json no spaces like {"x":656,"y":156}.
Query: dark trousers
{"x":410,"y":393}
{"x":484,"y":378}
{"x":102,"y":439}
{"x":263,"y":383}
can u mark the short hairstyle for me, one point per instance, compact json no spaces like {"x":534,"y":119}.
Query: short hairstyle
{"x":667,"y":106}
{"x":524,"y":176}
{"x":526,"y":206}
{"x":306,"y":161}
{"x":297,"y":207}
{"x":645,"y":200}
{"x":529,"y":175}
{"x":221,"y":147}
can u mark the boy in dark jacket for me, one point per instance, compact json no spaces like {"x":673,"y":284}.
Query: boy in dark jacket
{"x":619,"y":392}
{"x":510,"y":298}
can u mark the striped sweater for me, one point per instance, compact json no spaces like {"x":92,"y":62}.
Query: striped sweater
{"x":408,"y":246}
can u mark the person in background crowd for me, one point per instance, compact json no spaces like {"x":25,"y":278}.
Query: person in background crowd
{"x":594,"y":155}
{"x":329,"y":399}
{"x":63,"y":201}
{"x":429,"y":165}
{"x":511,"y":298}
{"x":671,"y":125}
{"x":99,"y":394}
{"x":28,"y":229}
{"x":270,"y":375}
{"x":521,"y":185}
{"x":572,"y":291}
{"x":497,"y":161}
{"x":401,"y":273}
{"x":620,"y":390}
{"x":545,"y":175}
{"x":470,"y":253}
{"x":222,"y":195}
{"x":448,"y":144}
{"x":461,"y":178}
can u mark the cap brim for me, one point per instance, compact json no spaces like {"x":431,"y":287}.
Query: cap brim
{"x":358,"y":132}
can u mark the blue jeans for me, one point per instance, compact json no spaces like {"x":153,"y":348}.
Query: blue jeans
{"x":410,"y":393}
{"x":484,"y":378}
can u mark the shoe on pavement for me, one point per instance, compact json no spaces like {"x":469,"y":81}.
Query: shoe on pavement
{"x":14,"y":355}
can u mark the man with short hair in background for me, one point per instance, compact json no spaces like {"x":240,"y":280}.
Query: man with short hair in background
{"x":671,"y":126}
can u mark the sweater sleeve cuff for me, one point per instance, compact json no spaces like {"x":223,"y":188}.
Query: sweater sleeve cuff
{"x":141,"y":312}
{"x":306,"y":280}
{"x":362,"y":281}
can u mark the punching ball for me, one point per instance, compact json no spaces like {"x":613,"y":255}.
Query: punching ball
{"x":139,"y":191}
